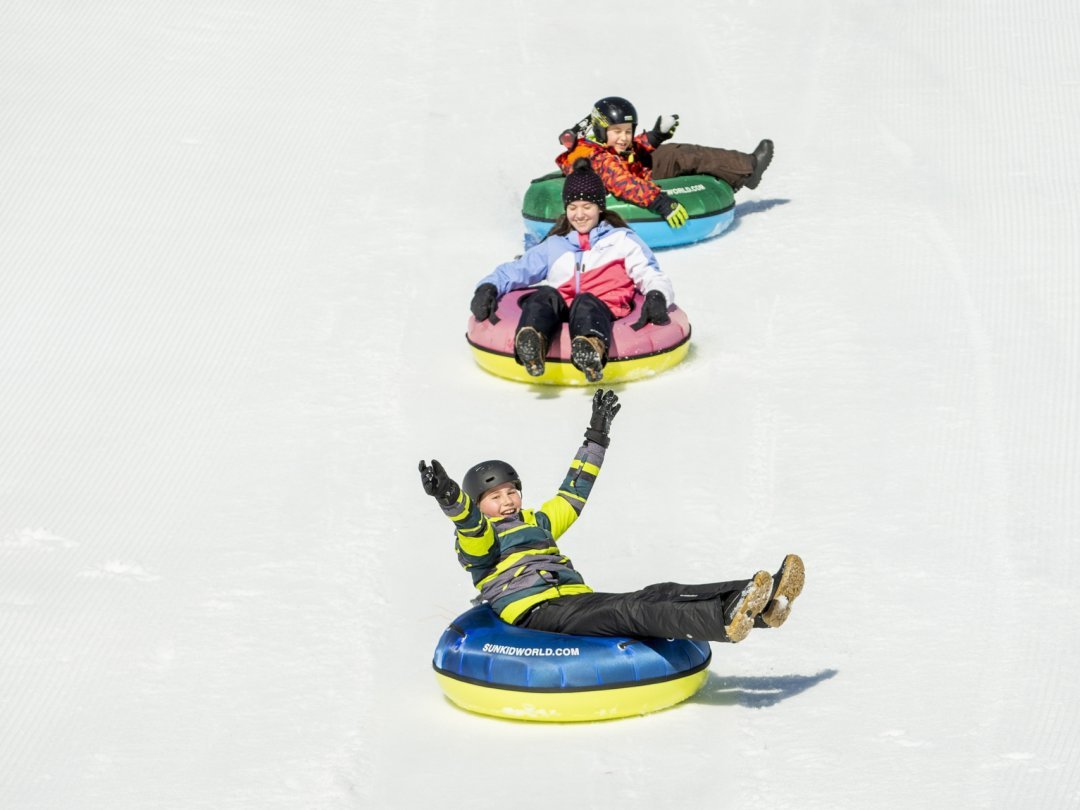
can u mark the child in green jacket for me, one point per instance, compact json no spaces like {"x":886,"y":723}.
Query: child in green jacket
{"x":515,"y":562}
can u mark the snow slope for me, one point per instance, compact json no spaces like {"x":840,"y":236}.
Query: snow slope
{"x":237,"y":242}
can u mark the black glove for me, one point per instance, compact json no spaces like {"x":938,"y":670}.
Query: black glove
{"x":654,"y":310}
{"x":604,"y":407}
{"x":663,"y":129}
{"x":673,"y":211}
{"x":484,"y":301}
{"x":437,"y":483}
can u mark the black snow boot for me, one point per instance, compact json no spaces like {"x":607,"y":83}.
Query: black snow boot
{"x":788,"y":583}
{"x":743,"y":608}
{"x":762,"y":158}
{"x":587,"y":355}
{"x":530,"y":349}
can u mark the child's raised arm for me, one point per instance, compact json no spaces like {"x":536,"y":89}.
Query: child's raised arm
{"x":564,"y":508}
{"x":477,"y":549}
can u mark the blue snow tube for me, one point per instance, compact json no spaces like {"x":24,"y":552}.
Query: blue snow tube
{"x":486,"y":665}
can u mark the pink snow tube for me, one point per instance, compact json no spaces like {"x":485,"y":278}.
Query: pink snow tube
{"x":631,"y":356}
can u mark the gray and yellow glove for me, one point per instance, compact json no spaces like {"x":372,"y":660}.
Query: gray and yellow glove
{"x":673,"y":211}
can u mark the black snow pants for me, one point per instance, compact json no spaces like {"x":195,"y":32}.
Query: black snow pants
{"x":664,"y":610}
{"x":545,"y":311}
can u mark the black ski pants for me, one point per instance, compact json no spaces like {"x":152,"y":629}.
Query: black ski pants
{"x":545,"y":311}
{"x":664,"y":610}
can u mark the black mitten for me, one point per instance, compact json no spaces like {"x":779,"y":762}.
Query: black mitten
{"x":653,"y":310}
{"x":605,"y":405}
{"x":663,"y":129}
{"x":484,"y":301}
{"x":437,"y":483}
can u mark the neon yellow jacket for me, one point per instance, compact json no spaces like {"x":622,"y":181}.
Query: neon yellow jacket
{"x":514,"y":561}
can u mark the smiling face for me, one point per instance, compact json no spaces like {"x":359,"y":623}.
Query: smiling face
{"x":583,"y":216}
{"x":501,"y":501}
{"x":620,"y":137}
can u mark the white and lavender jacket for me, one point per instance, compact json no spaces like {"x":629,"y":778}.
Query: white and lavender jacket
{"x":609,"y":262}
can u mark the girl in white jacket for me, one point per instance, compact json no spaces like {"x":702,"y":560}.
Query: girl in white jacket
{"x":586,"y":272}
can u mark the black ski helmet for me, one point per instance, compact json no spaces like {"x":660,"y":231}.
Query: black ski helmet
{"x":611,"y":110}
{"x":487,"y":474}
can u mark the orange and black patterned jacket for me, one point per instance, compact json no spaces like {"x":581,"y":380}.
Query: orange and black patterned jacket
{"x":627,"y":177}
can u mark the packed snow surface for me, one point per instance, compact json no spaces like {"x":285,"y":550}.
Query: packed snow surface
{"x":237,"y":245}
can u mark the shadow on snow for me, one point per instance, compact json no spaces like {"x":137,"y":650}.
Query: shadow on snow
{"x":741,"y":210}
{"x":757,"y":206}
{"x":756,"y":692}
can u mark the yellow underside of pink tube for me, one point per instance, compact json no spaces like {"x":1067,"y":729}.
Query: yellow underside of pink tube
{"x":563,"y":373}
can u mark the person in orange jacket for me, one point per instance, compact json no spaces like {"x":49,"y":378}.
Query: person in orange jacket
{"x":629,"y":164}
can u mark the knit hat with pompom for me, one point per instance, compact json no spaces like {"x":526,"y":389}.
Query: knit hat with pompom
{"x":584,"y":184}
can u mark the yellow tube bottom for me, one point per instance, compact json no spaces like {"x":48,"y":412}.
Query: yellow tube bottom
{"x":572,"y":707}
{"x":559,"y":372}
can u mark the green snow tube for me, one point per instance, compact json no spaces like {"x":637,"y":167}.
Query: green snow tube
{"x":710,"y":203}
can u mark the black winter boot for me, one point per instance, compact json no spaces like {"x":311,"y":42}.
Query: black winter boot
{"x":788,"y":584}
{"x":762,"y":158}
{"x":587,"y":355}
{"x":530,"y":349}
{"x":743,"y":608}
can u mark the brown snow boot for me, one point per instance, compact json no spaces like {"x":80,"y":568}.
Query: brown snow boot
{"x":587,"y":355}
{"x":762,"y":158}
{"x":530,"y":349}
{"x":742,"y":609}
{"x":788,"y":584}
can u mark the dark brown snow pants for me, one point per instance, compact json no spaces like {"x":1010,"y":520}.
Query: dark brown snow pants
{"x":677,"y":159}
